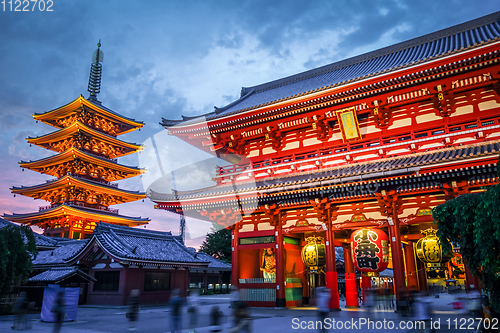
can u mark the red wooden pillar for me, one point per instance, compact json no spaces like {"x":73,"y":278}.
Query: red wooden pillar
{"x":422,"y":276}
{"x":331,"y":268}
{"x":411,"y":270}
{"x":366,"y":285}
{"x":351,"y":288}
{"x":280,"y":264}
{"x":471,"y":282}
{"x":235,"y":267}
{"x":397,"y":253}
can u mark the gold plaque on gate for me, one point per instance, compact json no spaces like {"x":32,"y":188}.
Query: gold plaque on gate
{"x":348,"y":122}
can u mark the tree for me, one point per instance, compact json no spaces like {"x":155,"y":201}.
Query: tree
{"x":473,"y":221}
{"x":218,"y":244}
{"x":17,"y":248}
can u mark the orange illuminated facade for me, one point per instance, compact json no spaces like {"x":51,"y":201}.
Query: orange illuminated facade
{"x":375,"y":141}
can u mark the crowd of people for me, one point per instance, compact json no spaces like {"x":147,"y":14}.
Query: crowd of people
{"x":410,"y":303}
{"x":239,"y":321}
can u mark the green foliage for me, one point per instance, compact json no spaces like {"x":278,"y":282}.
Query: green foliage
{"x":473,"y":222}
{"x":17,"y":248}
{"x":218,"y":244}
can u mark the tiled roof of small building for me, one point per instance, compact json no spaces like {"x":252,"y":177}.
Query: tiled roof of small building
{"x":409,"y":53}
{"x":59,"y":274}
{"x":6,"y":223}
{"x":60,"y":255}
{"x":214,"y":262}
{"x":126,"y":244}
{"x":50,"y":242}
{"x":139,"y":245}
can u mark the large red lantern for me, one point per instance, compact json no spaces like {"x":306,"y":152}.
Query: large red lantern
{"x":370,"y":250}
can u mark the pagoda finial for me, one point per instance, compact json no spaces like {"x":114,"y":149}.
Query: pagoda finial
{"x":95,"y":73}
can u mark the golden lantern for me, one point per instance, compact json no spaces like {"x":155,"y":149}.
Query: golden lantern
{"x":430,"y":250}
{"x":313,"y":254}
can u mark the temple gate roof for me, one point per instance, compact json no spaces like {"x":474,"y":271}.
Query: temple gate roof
{"x":446,"y":42}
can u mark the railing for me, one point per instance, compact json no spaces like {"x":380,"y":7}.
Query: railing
{"x":257,"y":280}
{"x":92,"y":179}
{"x":455,"y":131}
{"x":258,"y":295}
{"x":46,"y":207}
{"x":81,"y":204}
{"x":96,"y":180}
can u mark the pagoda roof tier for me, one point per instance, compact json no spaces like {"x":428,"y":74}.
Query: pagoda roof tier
{"x":68,"y":210}
{"x":58,"y":117}
{"x":446,"y":43}
{"x":53,"y":189}
{"x":366,"y":172}
{"x":84,"y":137}
{"x":80,"y":161}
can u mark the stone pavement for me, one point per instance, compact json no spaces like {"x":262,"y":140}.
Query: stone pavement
{"x":156,"y":319}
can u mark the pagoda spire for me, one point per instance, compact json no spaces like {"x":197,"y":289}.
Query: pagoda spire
{"x":95,"y":73}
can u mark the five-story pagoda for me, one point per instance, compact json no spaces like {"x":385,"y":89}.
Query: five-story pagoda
{"x":85,"y":166}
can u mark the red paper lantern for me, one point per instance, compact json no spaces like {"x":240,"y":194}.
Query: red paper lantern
{"x":370,"y":250}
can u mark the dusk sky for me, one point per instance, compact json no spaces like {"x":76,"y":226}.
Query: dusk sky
{"x":173,"y":58}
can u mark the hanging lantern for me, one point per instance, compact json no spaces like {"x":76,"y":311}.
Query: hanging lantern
{"x":313,"y":254}
{"x":370,"y":250}
{"x":430,"y":250}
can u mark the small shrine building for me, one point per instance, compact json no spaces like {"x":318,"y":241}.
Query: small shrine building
{"x":120,"y":259}
{"x":341,"y":155}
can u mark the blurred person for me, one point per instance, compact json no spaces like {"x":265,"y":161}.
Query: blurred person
{"x":370,"y":299}
{"x":235,"y":295}
{"x":215,"y":319}
{"x":133,"y":309}
{"x":412,"y":295}
{"x":192,"y":302}
{"x":423,"y":311}
{"x":59,"y":310}
{"x":474,"y":306}
{"x":404,"y":302}
{"x":20,"y":309}
{"x":323,"y":296}
{"x":241,"y":322}
{"x":388,"y":299}
{"x":175,"y":305}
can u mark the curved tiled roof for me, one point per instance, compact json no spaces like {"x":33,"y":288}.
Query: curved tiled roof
{"x":59,"y":274}
{"x":125,"y":244}
{"x":214,"y":262}
{"x":50,"y":242}
{"x":144,"y":245}
{"x":418,"y":50}
{"x":60,"y":255}
{"x":97,"y":104}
